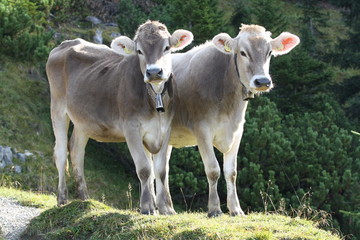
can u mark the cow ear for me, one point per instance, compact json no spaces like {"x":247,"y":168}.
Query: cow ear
{"x":284,"y":43}
{"x":224,"y":43}
{"x":180,"y":39}
{"x":123,"y":46}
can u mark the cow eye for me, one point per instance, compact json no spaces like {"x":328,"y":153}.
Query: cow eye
{"x":139,"y":52}
{"x":167,"y":48}
{"x":242,"y":53}
{"x":270,"y":53}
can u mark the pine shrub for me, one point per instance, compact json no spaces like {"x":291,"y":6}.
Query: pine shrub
{"x":22,"y":32}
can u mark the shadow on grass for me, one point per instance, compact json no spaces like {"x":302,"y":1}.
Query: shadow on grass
{"x":86,"y":220}
{"x":79,"y":220}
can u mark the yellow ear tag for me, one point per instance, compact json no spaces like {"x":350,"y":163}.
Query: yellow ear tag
{"x":280,"y":47}
{"x":127,"y":51}
{"x":181,"y":40}
{"x":179,"y":43}
{"x":227,"y":48}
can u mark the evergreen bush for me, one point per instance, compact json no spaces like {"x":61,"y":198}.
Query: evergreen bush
{"x":284,"y":157}
{"x":22,"y":34}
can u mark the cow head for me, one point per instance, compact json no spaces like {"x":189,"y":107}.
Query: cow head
{"x":153,"y":45}
{"x":253,"y":48}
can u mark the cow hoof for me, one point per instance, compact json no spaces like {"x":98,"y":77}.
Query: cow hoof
{"x":62,"y":202}
{"x":148,"y":212}
{"x":214,"y":214}
{"x":169,"y":211}
{"x":237,"y":213}
{"x":62,"y":199}
{"x":83,"y":195}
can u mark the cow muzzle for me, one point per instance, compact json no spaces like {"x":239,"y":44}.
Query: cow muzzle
{"x":154,"y":74}
{"x":262,"y":84}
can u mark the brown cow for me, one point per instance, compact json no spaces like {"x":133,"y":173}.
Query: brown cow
{"x":213,"y":82}
{"x":115,"y":98}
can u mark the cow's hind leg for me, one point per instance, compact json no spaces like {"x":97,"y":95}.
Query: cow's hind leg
{"x":230,"y":172}
{"x":77,"y":152}
{"x":161,"y":169}
{"x":60,"y":122}
{"x":212,"y":170}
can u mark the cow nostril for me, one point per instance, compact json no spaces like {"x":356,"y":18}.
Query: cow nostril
{"x":262,"y":82}
{"x":153,"y":72}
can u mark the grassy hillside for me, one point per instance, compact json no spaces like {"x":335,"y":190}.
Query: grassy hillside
{"x":24,"y":108}
{"x":95,"y":220}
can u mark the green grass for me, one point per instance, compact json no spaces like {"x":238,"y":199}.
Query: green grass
{"x":94,"y":220}
{"x":31,"y":199}
{"x":24,"y":118}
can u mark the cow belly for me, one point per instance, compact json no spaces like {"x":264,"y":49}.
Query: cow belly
{"x":225,"y":135}
{"x":99,"y":131}
{"x":182,"y":137}
{"x":102,"y":133}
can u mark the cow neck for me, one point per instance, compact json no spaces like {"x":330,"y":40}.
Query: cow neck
{"x":246,"y":94}
{"x":157,"y":97}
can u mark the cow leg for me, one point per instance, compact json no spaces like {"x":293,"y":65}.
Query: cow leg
{"x":78,"y":143}
{"x":60,"y":122}
{"x":150,"y":183}
{"x":212,"y":170}
{"x":161,"y":169}
{"x":144,"y":170}
{"x":230,"y":173}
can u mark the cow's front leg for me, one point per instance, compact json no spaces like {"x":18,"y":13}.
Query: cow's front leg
{"x":144,"y":170}
{"x":212,"y":170}
{"x":161,"y":169}
{"x":230,"y":172}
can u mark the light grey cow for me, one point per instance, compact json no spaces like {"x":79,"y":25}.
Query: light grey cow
{"x":214,"y":82}
{"x":114,"y":97}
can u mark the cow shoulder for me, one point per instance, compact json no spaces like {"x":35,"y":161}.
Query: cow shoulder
{"x":209,"y":70}
{"x":111,"y":89}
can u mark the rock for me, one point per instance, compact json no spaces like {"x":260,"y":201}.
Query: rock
{"x":28,"y":153}
{"x":93,"y":19}
{"x":2,"y":162}
{"x":98,"y":37}
{"x":115,"y":35}
{"x":6,"y":156}
{"x":17,"y":169}
{"x":21,"y":156}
